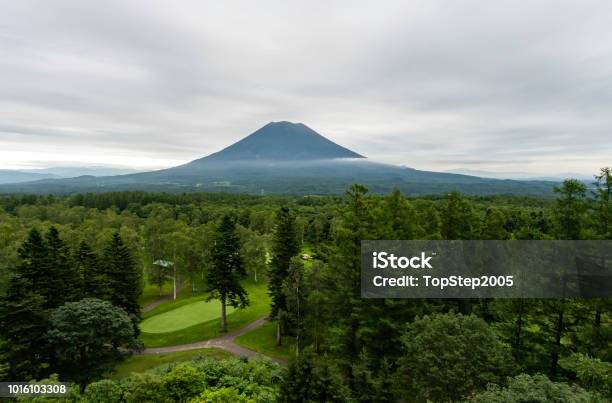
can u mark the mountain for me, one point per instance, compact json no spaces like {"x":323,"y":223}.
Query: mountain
{"x":284,"y":157}
{"x":28,"y":175}
{"x":73,"y":172}
{"x":15,"y":176}
{"x":521,"y":175}
{"x":282,"y":141}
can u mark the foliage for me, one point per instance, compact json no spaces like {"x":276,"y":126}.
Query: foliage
{"x":86,"y":337}
{"x":123,"y":276}
{"x":533,"y":389}
{"x":285,"y":245}
{"x":447,"y":356}
{"x":223,"y":278}
{"x":592,"y":373}
{"x":202,"y":379}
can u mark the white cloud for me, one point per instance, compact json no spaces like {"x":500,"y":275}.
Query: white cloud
{"x":429,"y":84}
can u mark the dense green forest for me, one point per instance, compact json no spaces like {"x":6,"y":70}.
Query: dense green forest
{"x":69,"y":264}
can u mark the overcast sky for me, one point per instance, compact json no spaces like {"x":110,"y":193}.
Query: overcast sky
{"x":486,"y":85}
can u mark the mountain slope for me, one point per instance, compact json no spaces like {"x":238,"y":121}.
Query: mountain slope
{"x":282,"y":141}
{"x":16,"y":176}
{"x":284,"y":157}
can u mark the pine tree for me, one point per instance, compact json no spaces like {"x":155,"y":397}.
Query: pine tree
{"x":458,"y":218}
{"x":570,"y":209}
{"x":33,"y":260}
{"x":23,"y":323}
{"x":95,"y":283}
{"x":22,"y":311}
{"x":223,"y":277}
{"x":62,"y":280}
{"x":603,"y":197}
{"x":123,"y":276}
{"x":285,"y":245}
{"x":493,"y":226}
{"x":294,"y":291}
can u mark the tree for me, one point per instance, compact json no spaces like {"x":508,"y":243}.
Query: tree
{"x":61,"y":279}
{"x":253,"y":252}
{"x":458,"y":218}
{"x":592,"y":373}
{"x":493,"y":226}
{"x":123,"y":276}
{"x":23,"y":312}
{"x":533,"y":389}
{"x":294,"y":291}
{"x":159,"y":272}
{"x":23,"y":323}
{"x":86,"y":336}
{"x":32,"y":267}
{"x":285,"y":245}
{"x":223,"y":278}
{"x":447,"y":356}
{"x":312,"y":380}
{"x":399,"y":217}
{"x":95,"y":284}
{"x":603,"y":199}
{"x":570,"y":208}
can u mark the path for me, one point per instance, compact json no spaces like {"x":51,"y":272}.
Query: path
{"x":160,"y":300}
{"x":225,"y":342}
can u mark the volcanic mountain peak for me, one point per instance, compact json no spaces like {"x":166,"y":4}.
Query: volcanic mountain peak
{"x":283,"y":141}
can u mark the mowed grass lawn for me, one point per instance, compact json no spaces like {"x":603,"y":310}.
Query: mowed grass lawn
{"x":182,"y":317}
{"x":205,"y":329}
{"x":141,"y":363}
{"x":263,"y":340}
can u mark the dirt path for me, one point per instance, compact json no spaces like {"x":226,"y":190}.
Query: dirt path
{"x":225,"y":342}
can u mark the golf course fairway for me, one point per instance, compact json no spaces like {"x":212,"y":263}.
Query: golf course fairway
{"x":183,"y":317}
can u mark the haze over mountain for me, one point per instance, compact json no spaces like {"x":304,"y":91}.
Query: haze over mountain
{"x":28,"y":175}
{"x":285,"y":157}
{"x":521,"y":175}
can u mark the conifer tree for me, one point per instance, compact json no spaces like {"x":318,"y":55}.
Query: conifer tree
{"x":33,"y":260}
{"x":458,"y":218}
{"x":603,"y":197}
{"x":61,"y":279}
{"x":285,"y":245}
{"x":95,"y":283}
{"x":123,"y":276}
{"x":22,"y":311}
{"x":570,"y":209}
{"x":23,"y":323}
{"x":493,"y":226}
{"x":223,"y":278}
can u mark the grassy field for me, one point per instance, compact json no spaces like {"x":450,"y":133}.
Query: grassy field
{"x":263,"y":340}
{"x":182,"y":317}
{"x":260,"y":305}
{"x":141,"y":363}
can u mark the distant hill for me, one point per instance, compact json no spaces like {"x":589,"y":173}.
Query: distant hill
{"x":14,"y":176}
{"x":521,"y":175}
{"x":284,"y":157}
{"x":73,"y":172}
{"x":28,"y":175}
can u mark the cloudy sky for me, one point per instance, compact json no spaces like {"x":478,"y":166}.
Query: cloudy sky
{"x":485,"y":85}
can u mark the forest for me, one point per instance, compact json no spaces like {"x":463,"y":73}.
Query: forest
{"x":76,"y":273}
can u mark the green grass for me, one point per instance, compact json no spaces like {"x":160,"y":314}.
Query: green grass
{"x":263,"y":340}
{"x":182,"y":317}
{"x":259,"y":307}
{"x":141,"y":363}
